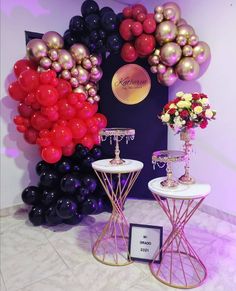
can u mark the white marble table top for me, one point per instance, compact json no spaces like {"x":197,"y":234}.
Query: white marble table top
{"x":127,"y":167}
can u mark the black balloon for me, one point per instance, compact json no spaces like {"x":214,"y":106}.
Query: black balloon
{"x":84,"y":39}
{"x":36,"y":215}
{"x":119,"y":17}
{"x":69,"y":39}
{"x":75,"y":219}
{"x":65,"y":208}
{"x":77,"y":25}
{"x":100,"y":46}
{"x":70,"y":183}
{"x":51,"y":216}
{"x":80,"y":152}
{"x":89,"y":7}
{"x":109,"y":21}
{"x":106,"y":203}
{"x":90,"y":183}
{"x":87,"y":163}
{"x":89,"y":206}
{"x":104,"y":10}
{"x":94,"y":36}
{"x":92,"y":22}
{"x":64,"y":166}
{"x":76,"y":168}
{"x":102,"y":34}
{"x":96,"y":152}
{"x":31,"y":195}
{"x":49,"y":196}
{"x":82,"y":194}
{"x":49,"y":179}
{"x":42,"y":166}
{"x":114,"y":43}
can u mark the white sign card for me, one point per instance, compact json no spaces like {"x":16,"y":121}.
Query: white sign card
{"x":145,"y":241}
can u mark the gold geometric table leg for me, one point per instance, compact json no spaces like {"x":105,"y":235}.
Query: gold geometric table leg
{"x":111,"y":247}
{"x":180,"y":266}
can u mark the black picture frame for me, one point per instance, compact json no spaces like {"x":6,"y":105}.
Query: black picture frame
{"x":31,"y":35}
{"x":135,"y":225}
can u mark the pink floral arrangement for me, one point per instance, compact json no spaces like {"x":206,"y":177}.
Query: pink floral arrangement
{"x":186,"y":111}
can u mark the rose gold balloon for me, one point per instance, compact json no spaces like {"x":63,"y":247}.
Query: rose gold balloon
{"x":193,"y":40}
{"x":45,"y":63}
{"x":53,"y":55}
{"x":65,"y":74}
{"x":91,"y":100}
{"x":83,"y":76}
{"x":187,"y":50}
{"x":168,"y":78}
{"x":169,"y":13}
{"x":81,"y":89}
{"x":159,"y":17}
{"x":96,"y":74}
{"x":166,"y":31}
{"x":92,"y":92}
{"x":65,"y":59}
{"x":154,"y":69}
{"x":74,"y":72}
{"x":157,"y":52}
{"x":176,"y":9}
{"x":185,"y":30}
{"x":161,"y":68}
{"x":181,"y":21}
{"x":96,"y":98}
{"x":153,"y":60}
{"x":187,"y":69}
{"x":158,"y":9}
{"x":201,"y":52}
{"x":96,"y":60}
{"x":181,"y":40}
{"x":170,"y":53}
{"x":56,"y":67}
{"x":53,"y":40}
{"x":79,"y":52}
{"x":40,"y":69}
{"x":74,"y":82}
{"x":87,"y":64}
{"x":36,"y":49}
{"x":90,"y":85}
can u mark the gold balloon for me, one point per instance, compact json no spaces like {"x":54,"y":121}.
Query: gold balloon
{"x":187,"y":69}
{"x":154,"y":69}
{"x":53,"y":40}
{"x":45,"y":63}
{"x":181,"y":40}
{"x":166,"y":31}
{"x":96,"y":98}
{"x":185,"y":30}
{"x":187,"y":50}
{"x":65,"y":74}
{"x":87,"y":64}
{"x":96,"y":74}
{"x":170,"y":53}
{"x":90,"y":85}
{"x":36,"y":49}
{"x":175,"y":8}
{"x":181,"y":21}
{"x":74,"y":82}
{"x":158,"y":9}
{"x":96,"y":60}
{"x":193,"y":40}
{"x":65,"y":59}
{"x":153,"y":60}
{"x":169,"y":13}
{"x":83,"y":76}
{"x":156,"y":52}
{"x":53,"y":54}
{"x":159,"y":17}
{"x":92,"y":92}
{"x":168,"y":78}
{"x":56,"y":67}
{"x":81,"y":89}
{"x":74,"y":72}
{"x":79,"y":52}
{"x":91,"y":100}
{"x":161,"y":69}
{"x":201,"y":52}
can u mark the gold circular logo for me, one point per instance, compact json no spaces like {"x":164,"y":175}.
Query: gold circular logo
{"x":131,"y":84}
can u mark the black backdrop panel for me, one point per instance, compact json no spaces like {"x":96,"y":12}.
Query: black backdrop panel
{"x":150,"y":134}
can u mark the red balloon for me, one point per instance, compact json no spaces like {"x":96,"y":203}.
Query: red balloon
{"x":29,"y":80}
{"x":128,"y":53}
{"x":101,"y":120}
{"x":63,"y":88}
{"x":31,"y":135}
{"x":145,"y":44}
{"x":30,"y":99}
{"x":39,"y":121}
{"x":77,"y":127}
{"x":44,"y":133}
{"x":23,"y":65}
{"x":137,"y":28}
{"x":65,"y":110}
{"x":87,"y":141}
{"x":88,"y":110}
{"x":47,"y":77}
{"x":16,"y":92}
{"x":141,"y":17}
{"x":68,"y":150}
{"x":44,"y":142}
{"x":51,"y":112}
{"x":125,"y":29}
{"x":21,"y":128}
{"x":149,"y":25}
{"x":138,"y":8}
{"x":47,"y":95}
{"x":25,"y":110}
{"x":150,"y":15}
{"x":96,"y":139}
{"x":18,"y":120}
{"x":92,"y":124}
{"x":127,"y":12}
{"x":51,"y":154}
{"x":61,"y":136}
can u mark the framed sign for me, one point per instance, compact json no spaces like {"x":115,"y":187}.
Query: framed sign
{"x":145,"y":241}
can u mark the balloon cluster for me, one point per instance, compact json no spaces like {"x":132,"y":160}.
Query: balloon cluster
{"x":51,"y":115}
{"x":96,"y":28}
{"x":77,"y":66}
{"x":67,"y":190}
{"x":137,"y":29}
{"x":180,"y":52}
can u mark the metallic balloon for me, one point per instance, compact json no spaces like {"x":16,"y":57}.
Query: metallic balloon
{"x":96,"y":74}
{"x":158,"y":9}
{"x":81,"y":89}
{"x":92,"y":92}
{"x":169,"y":13}
{"x":87,"y":64}
{"x":74,"y":82}
{"x":53,"y":40}
{"x":96,"y":60}
{"x":170,"y":53}
{"x":45,"y":63}
{"x":161,"y":69}
{"x":185,"y":30}
{"x":65,"y":74}
{"x":154,"y":69}
{"x":90,"y":85}
{"x":187,"y":69}
{"x":153,"y":60}
{"x":65,"y":59}
{"x":79,"y":52}
{"x":166,"y":31}
{"x":181,"y":21}
{"x":187,"y":50}
{"x":91,"y":100}
{"x":168,"y":78}
{"x":53,"y":54}
{"x":56,"y":67}
{"x":201,"y":52}
{"x":176,"y":9}
{"x":36,"y":49}
{"x":156,"y":52}
{"x":96,"y":98}
{"x":193,"y":40}
{"x":159,"y":17}
{"x":74,"y":72}
{"x":181,"y":40}
{"x":83,"y":76}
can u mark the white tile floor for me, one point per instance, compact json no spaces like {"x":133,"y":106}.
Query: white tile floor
{"x":43,"y":259}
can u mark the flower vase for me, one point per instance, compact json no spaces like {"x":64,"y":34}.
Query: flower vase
{"x":186,"y":136}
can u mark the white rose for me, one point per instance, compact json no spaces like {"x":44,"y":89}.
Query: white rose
{"x":193,"y":116}
{"x":172,"y":105}
{"x":165,"y":117}
{"x":209,"y":113}
{"x":187,"y":97}
{"x":180,"y":94}
{"x":204,"y":101}
{"x":198,"y":109}
{"x":184,"y":104}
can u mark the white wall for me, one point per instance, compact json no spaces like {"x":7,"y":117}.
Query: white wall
{"x":214,"y":160}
